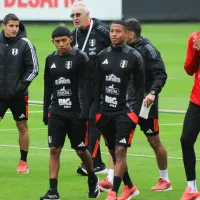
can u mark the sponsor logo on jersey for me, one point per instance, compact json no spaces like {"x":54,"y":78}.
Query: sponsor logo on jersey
{"x":64,"y":92}
{"x":65,"y":102}
{"x":112,"y":101}
{"x":111,"y":90}
{"x":113,"y":78}
{"x":62,"y":80}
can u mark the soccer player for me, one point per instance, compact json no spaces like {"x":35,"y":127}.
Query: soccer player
{"x":65,"y":111}
{"x":155,"y":78}
{"x":91,"y":36}
{"x":18,"y":68}
{"x":191,"y":124}
{"x":119,"y":73}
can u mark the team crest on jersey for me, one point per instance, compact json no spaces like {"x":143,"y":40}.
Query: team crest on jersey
{"x":14,"y":51}
{"x":92,"y":42}
{"x":68,"y":64}
{"x":123,"y":63}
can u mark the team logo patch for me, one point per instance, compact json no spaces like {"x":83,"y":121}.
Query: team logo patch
{"x":68,"y":64}
{"x":14,"y":51}
{"x":92,"y":42}
{"x":123,"y":63}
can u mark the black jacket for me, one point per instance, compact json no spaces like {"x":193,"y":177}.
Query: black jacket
{"x":98,"y":39}
{"x":119,"y":81}
{"x":64,"y":76}
{"x":18,"y":65}
{"x":155,"y":73}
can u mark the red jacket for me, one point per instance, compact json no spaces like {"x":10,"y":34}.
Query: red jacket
{"x":192,"y":66}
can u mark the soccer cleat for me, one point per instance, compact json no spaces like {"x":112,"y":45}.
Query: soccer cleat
{"x":50,"y":195}
{"x":94,"y":190}
{"x":81,"y":170}
{"x":129,"y":193}
{"x":112,"y":196}
{"x":105,"y":185}
{"x":101,"y":169}
{"x":162,"y":185}
{"x":22,"y":167}
{"x":187,"y":195}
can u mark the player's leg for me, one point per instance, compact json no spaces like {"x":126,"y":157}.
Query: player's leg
{"x":124,"y":133}
{"x":94,"y":149}
{"x":19,"y":108}
{"x":191,"y":128}
{"x":57,"y":128}
{"x":78,"y":136}
{"x":150,"y":128}
{"x":108,"y":131}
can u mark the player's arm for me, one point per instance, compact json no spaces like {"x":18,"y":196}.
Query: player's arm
{"x":31,"y":64}
{"x":86,"y":76}
{"x":48,"y":84}
{"x":139,"y":81}
{"x":157,"y":69}
{"x":97,"y":89}
{"x":192,"y":59}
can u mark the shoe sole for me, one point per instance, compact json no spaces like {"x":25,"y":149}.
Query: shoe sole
{"x":105,"y":171}
{"x":23,"y":172}
{"x":99,"y":189}
{"x":168,"y":189}
{"x":104,"y":190}
{"x":98,"y":194}
{"x":133,"y":195}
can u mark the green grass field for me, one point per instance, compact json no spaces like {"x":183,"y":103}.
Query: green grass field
{"x":171,"y":40}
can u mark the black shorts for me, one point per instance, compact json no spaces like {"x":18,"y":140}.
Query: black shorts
{"x":117,"y":130}
{"x":59,"y":127}
{"x":149,"y":126}
{"x":18,"y":107}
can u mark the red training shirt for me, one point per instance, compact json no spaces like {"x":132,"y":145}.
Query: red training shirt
{"x":192,"y":66}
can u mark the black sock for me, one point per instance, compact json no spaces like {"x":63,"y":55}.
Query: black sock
{"x":92,"y":176}
{"x":53,"y":184}
{"x":126,"y":179}
{"x":116,"y":183}
{"x":23,"y":155}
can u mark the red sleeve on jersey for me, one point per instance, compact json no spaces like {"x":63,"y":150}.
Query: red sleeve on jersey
{"x":192,"y":58}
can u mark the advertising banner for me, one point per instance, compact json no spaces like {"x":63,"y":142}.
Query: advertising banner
{"x":55,"y":10}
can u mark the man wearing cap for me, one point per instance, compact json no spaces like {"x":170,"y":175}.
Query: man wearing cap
{"x":64,"y":112}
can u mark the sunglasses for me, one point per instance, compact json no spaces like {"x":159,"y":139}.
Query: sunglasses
{"x":76,"y":14}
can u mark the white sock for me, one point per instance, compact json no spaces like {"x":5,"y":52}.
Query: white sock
{"x":193,"y":185}
{"x":164,"y":174}
{"x":110,"y":175}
